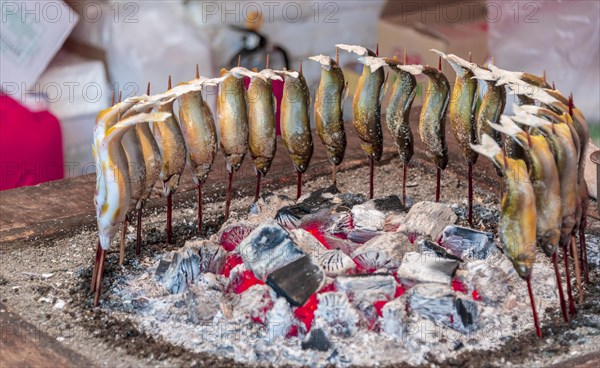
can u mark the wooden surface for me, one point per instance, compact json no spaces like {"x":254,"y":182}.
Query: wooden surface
{"x":24,"y":345}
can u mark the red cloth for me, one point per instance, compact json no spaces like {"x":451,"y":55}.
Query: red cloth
{"x":30,"y":146}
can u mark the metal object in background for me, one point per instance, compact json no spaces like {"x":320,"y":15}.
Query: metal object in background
{"x":595,"y":157}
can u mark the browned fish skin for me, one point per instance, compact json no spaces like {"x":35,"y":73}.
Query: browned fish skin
{"x":173,"y":150}
{"x":403,"y":94}
{"x":329,"y":119}
{"x":432,"y":123}
{"x":492,"y":106}
{"x":367,"y":110}
{"x":198,"y":127}
{"x":261,"y":122}
{"x":233,"y":120}
{"x":295,"y":121}
{"x":151,"y":153}
{"x":135,"y":162}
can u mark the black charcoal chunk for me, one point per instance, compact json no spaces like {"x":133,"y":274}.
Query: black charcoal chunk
{"x":268,"y":248}
{"x":297,"y":281}
{"x":290,"y":216}
{"x":387,"y":204}
{"x":162,"y":267}
{"x":427,"y":245}
{"x":468,"y":243}
{"x":317,"y":340}
{"x":183,"y":270}
{"x":321,"y":198}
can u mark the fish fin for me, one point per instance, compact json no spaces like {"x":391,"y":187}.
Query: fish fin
{"x":117,"y":130}
{"x":374,"y":63}
{"x":488,"y":147}
{"x":412,"y":69}
{"x":274,"y":102}
{"x":356,"y":49}
{"x":530,"y":120}
{"x":506,"y":126}
{"x":324,"y":60}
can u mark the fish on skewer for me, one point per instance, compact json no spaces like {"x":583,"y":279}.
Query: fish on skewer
{"x":492,"y":105}
{"x":404,"y":90}
{"x":262,"y":109}
{"x":200,"y":135}
{"x":461,"y":113}
{"x":113,"y":195}
{"x":173,"y":153}
{"x":564,"y":144}
{"x":432,"y":121}
{"x":517,"y":225}
{"x":295,"y":122}
{"x":366,"y":105}
{"x":546,"y":186}
{"x":233,"y":123}
{"x":152,"y":162}
{"x":329,"y":114}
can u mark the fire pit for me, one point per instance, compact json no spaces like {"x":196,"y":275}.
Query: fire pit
{"x":348,"y":282}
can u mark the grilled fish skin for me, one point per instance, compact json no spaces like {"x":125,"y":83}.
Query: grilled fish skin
{"x":295,"y":121}
{"x":198,"y":128}
{"x":233,"y":120}
{"x":329,"y":104}
{"x":432,"y":122}
{"x":403,"y":94}
{"x":517,"y":225}
{"x":492,"y":105}
{"x":262,"y":107}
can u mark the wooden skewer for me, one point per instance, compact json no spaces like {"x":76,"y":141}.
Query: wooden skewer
{"x":583,"y":249}
{"x":257,"y":192}
{"x":538,"y":331}
{"x":577,"y":269}
{"x":438,"y":187}
{"x":561,"y":295}
{"x":199,"y":207}
{"x":96,"y":266}
{"x":404,"y":172}
{"x":102,"y":264}
{"x":371,"y":177}
{"x":138,"y":240}
{"x":229,"y":189}
{"x":572,"y":309}
{"x":334,"y":175}
{"x":170,"y":218}
{"x":122,"y":248}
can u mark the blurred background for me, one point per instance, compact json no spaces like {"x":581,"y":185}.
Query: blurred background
{"x":60,"y":61}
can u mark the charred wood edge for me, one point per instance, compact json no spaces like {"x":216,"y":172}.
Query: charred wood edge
{"x":23,"y":344}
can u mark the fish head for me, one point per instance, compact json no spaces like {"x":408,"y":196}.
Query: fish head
{"x":523,"y":263}
{"x":549,"y":241}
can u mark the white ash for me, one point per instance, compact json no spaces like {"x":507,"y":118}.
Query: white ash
{"x":307,"y":242}
{"x":366,"y":218}
{"x":369,"y":287}
{"x":336,"y":314}
{"x":427,"y":267}
{"x":335,"y":262}
{"x":383,"y":251}
{"x":428,"y":218}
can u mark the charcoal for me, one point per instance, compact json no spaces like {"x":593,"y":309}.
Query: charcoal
{"x":336,"y":312}
{"x":183,"y":270}
{"x":232,"y":235}
{"x":393,"y":222}
{"x":297,"y":281}
{"x":290,"y":216}
{"x":268,"y":248}
{"x":335,"y":262}
{"x":387,"y":205}
{"x":162,"y":267}
{"x":307,"y":242}
{"x":366,"y":218}
{"x":428,"y":218}
{"x":367,"y":287}
{"x":426,"y":245}
{"x":267,"y":206}
{"x":361,"y":236}
{"x":201,"y":306}
{"x":467,"y":243}
{"x":316,"y":340}
{"x":394,"y":317}
{"x":346,"y":246}
{"x":342,"y":224}
{"x":211,"y":256}
{"x":319,"y":221}
{"x":253,"y":304}
{"x":349,"y":200}
{"x":320,"y":198}
{"x":440,"y":304}
{"x":490,"y":278}
{"x":383,"y":251}
{"x":426,"y":267}
{"x":280,"y":318}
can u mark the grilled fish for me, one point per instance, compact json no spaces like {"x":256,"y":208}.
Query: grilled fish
{"x":432,"y":122}
{"x":329,"y":104}
{"x":295,"y":120}
{"x":517,"y":226}
{"x":403,"y":94}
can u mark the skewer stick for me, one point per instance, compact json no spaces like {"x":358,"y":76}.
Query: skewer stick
{"x":170,"y":218}
{"x":199,"y":207}
{"x":377,"y":50}
{"x":577,"y":269}
{"x":538,"y":331}
{"x":96,"y":265}
{"x":337,"y":55}
{"x":100,"y":277}
{"x":257,"y":192}
{"x":404,"y":171}
{"x":267,"y":62}
{"x":299,"y":184}
{"x":122,"y":248}
{"x":438,"y":187}
{"x":583,"y":249}
{"x":572,"y":309}
{"x":169,"y":202}
{"x":239,"y":60}
{"x":229,"y":189}
{"x":371,"y":176}
{"x":561,"y":295}
{"x":470,"y":178}
{"x":334,"y":175}
{"x":138,"y":239}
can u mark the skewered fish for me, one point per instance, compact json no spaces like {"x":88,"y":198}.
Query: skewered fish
{"x":329,"y":104}
{"x":492,"y":103}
